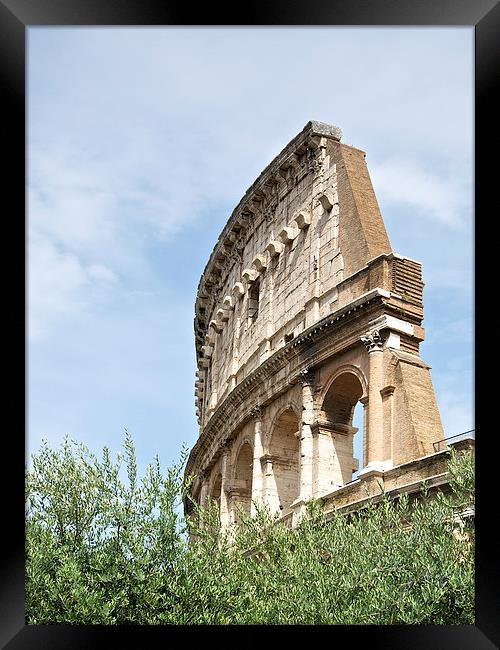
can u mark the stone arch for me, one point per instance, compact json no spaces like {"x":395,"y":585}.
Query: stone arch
{"x":215,"y":489}
{"x":343,"y":394}
{"x":214,"y":486}
{"x":213,"y":495}
{"x":343,"y":391}
{"x":347,"y":367}
{"x":246,"y":440}
{"x":283,"y":461}
{"x":241,"y":484}
{"x":289,"y":406}
{"x":196,"y":494}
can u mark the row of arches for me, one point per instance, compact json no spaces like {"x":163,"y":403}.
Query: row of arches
{"x":334,"y":464}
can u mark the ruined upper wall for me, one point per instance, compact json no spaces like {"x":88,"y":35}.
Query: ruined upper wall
{"x":308,"y":223}
{"x":362,"y":234}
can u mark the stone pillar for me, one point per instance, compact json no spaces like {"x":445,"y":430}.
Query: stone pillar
{"x":306,"y":438}
{"x":224,"y":498}
{"x":323,"y":459}
{"x":204,"y":478}
{"x":269,"y":489}
{"x":203,"y":491}
{"x":364,"y":402}
{"x":333,"y":456}
{"x":258,"y":452}
{"x":375,"y":433}
{"x":269,"y":293}
{"x":236,"y":346}
{"x":387,"y":394}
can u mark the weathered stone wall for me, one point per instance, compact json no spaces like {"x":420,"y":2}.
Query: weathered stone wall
{"x":287,"y":237}
{"x":302,"y":312}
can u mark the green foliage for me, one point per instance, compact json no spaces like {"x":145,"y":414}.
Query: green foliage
{"x":104,"y":550}
{"x":100,"y":549}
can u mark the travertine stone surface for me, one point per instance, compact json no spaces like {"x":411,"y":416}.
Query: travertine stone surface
{"x":302,"y":312}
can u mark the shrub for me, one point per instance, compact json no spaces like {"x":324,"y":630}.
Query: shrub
{"x":107,"y":549}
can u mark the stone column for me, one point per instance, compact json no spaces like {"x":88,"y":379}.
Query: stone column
{"x":236,"y":345}
{"x":323,"y":459}
{"x":375,"y":434}
{"x":258,"y":452}
{"x":269,"y":489}
{"x":364,"y":402}
{"x":269,"y":293}
{"x":203,"y":490}
{"x":306,"y":438}
{"x":224,"y":499}
{"x":204,"y":478}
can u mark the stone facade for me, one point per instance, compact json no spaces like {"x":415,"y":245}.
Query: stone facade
{"x":302,"y":312}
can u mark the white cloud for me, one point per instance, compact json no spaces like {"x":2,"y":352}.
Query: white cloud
{"x":99,"y":272}
{"x":59,"y":286}
{"x":55,"y":285}
{"x":436,"y":198}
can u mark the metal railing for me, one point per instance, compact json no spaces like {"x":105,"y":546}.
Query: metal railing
{"x":456,"y":438}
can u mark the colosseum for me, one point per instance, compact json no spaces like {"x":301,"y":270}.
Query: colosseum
{"x":304,"y":311}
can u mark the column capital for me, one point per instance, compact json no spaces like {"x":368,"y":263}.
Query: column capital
{"x":306,"y":377}
{"x":372,"y":341}
{"x":387,"y":391}
{"x":256,"y":412}
{"x":321,"y":425}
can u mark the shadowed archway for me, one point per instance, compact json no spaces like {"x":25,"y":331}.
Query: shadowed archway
{"x":241,"y":488}
{"x":283,"y":462}
{"x":215,"y":492}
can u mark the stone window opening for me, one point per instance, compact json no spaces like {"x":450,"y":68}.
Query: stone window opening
{"x":253,"y":301}
{"x":208,"y":387}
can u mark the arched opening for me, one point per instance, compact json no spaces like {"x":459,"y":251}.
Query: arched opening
{"x":358,"y":422}
{"x":215,"y":492}
{"x":197,"y":496}
{"x":282,"y":474}
{"x":242,"y":482}
{"x":337,"y":430}
{"x":253,"y":300}
{"x":210,"y":518}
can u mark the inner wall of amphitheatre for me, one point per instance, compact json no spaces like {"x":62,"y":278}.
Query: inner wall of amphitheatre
{"x":304,"y":311}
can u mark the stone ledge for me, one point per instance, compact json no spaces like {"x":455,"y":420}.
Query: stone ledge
{"x":411,"y":488}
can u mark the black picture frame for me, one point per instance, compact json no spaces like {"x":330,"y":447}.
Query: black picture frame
{"x":18,"y":15}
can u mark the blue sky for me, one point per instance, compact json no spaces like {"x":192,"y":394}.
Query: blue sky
{"x":141,"y":141}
